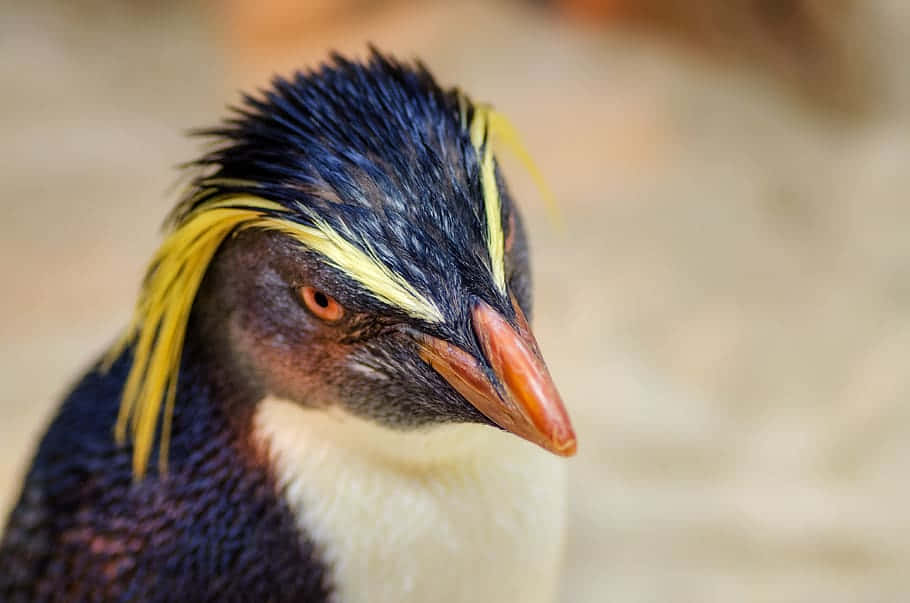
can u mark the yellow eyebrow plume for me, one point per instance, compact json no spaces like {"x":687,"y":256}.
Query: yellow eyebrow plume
{"x":363,"y":266}
{"x":491,"y":200}
{"x":505,"y":134}
{"x":158,"y":327}
{"x":488,"y":128}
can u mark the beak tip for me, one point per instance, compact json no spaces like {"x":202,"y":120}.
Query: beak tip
{"x":565,"y":447}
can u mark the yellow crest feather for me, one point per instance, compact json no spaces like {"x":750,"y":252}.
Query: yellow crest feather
{"x":504,"y":133}
{"x":159,"y":323}
{"x":480,"y":127}
{"x":363,"y":266}
{"x":158,"y":327}
{"x":487,"y":128}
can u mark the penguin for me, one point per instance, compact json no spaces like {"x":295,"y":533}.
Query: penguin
{"x":329,"y":390}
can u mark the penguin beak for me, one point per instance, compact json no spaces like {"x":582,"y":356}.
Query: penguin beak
{"x":520,"y":395}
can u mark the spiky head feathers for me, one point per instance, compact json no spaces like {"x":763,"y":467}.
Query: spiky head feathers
{"x":388,"y":178}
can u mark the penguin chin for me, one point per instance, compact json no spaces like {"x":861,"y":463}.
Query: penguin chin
{"x":281,"y":423}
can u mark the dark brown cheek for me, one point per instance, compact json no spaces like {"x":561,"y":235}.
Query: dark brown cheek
{"x":301,"y":371}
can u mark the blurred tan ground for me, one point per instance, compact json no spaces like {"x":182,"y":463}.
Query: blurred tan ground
{"x":727,"y":311}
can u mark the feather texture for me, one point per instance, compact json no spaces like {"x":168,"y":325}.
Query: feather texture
{"x":159,"y":325}
{"x":390,"y":179}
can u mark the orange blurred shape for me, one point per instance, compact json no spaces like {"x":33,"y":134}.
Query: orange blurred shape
{"x":270,"y":23}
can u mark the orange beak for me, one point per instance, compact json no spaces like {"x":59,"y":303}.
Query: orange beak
{"x":529,"y":407}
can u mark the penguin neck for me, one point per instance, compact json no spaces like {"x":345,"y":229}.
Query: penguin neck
{"x":210,"y":374}
{"x":213,"y":401}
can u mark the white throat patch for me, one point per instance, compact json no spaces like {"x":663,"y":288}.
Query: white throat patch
{"x":457,"y":513}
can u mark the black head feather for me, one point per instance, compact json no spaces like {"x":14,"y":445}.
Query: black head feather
{"x":377,"y":149}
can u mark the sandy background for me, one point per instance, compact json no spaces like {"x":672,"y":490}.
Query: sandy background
{"x":727,"y":311}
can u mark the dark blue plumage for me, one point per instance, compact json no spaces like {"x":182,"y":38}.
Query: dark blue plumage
{"x":213,"y":529}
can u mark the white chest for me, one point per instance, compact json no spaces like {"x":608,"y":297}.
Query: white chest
{"x":459,"y":513}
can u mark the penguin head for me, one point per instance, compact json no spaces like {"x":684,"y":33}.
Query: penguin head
{"x":348,"y":241}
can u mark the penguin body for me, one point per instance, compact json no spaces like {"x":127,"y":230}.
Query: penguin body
{"x":330,"y":390}
{"x":215,"y":529}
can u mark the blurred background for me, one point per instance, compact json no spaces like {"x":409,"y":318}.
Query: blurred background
{"x":727,"y":310}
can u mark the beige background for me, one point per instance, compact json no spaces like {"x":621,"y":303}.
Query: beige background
{"x":727,"y":310}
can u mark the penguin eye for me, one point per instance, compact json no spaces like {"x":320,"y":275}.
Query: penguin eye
{"x":321,"y":305}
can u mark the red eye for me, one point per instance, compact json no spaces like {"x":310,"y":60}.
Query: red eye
{"x":321,"y":304}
